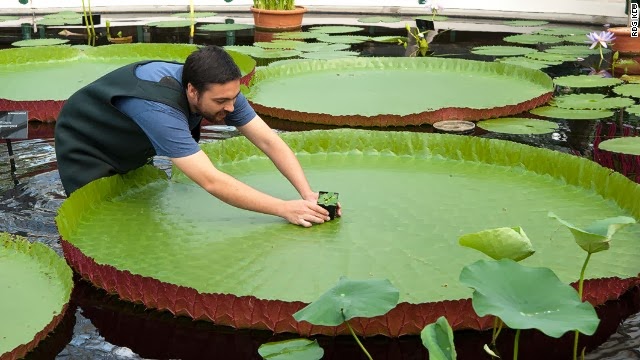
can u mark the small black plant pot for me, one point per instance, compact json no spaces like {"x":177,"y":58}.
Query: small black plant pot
{"x":424,"y":25}
{"x":331,"y":205}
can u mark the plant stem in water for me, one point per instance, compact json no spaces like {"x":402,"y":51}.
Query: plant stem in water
{"x":497,"y":327}
{"x":515,"y":345}
{"x":580,"y":283}
{"x":358,"y":340}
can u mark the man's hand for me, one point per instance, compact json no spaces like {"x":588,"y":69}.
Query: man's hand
{"x":304,"y":212}
{"x":313,"y":196}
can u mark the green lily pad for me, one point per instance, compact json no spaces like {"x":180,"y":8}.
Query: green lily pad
{"x":274,"y":53}
{"x":630,"y":90}
{"x":379,"y":19}
{"x":597,"y":236}
{"x":532,"y":39}
{"x":296,"y":35}
{"x":521,"y":126}
{"x":336,"y":29}
{"x":388,"y":39}
{"x":243,"y":49}
{"x":633,"y":110}
{"x":438,"y":339}
{"x":64,"y":15}
{"x":433,"y":18}
{"x":225,"y":27}
{"x":573,"y":50}
{"x":525,"y":22}
{"x":555,"y":59}
{"x":327,"y":55}
{"x":336,"y":47}
{"x":590,"y":101}
{"x":568,"y":31}
{"x":59,"y":21}
{"x":494,"y":50}
{"x":39,"y":42}
{"x":172,"y":23}
{"x":528,"y":298}
{"x":8,"y":18}
{"x":195,"y":14}
{"x":629,"y":145}
{"x":523,"y":61}
{"x":350,"y":299}
{"x":277,"y":44}
{"x":295,"y":349}
{"x":500,"y":243}
{"x":343,"y":39}
{"x":586,"y":81}
{"x":577,"y":39}
{"x":571,"y":114}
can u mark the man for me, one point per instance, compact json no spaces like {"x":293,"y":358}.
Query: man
{"x":118,"y":122}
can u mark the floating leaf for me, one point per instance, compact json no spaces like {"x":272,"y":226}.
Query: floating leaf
{"x":64,"y":15}
{"x":597,"y":236}
{"x":525,"y":62}
{"x":39,"y":42}
{"x":296,"y":35}
{"x":576,"y":39}
{"x":532,"y":39}
{"x":631,"y":90}
{"x":8,"y":18}
{"x":60,"y":21}
{"x":564,"y":31}
{"x":522,"y":126}
{"x":274,"y":53}
{"x":336,"y":47}
{"x":277,"y":44}
{"x":502,"y":50}
{"x":585,"y":81}
{"x":527,"y":298}
{"x":433,"y":18}
{"x":377,"y":19}
{"x":438,"y":339}
{"x":629,"y":145}
{"x":388,"y":39}
{"x":500,"y":243}
{"x":555,"y":59}
{"x":295,"y":349}
{"x":350,"y":299}
{"x":225,"y":27}
{"x":590,"y":101}
{"x":573,"y":50}
{"x":343,"y":39}
{"x":172,"y":24}
{"x":571,"y":114}
{"x":327,"y":55}
{"x":525,"y":22}
{"x":195,"y":14}
{"x":633,"y":110}
{"x":336,"y":29}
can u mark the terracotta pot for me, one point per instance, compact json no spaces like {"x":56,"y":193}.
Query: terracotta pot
{"x":278,"y":19}
{"x":624,"y":43}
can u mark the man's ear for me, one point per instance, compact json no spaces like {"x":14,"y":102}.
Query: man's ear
{"x":192,"y":93}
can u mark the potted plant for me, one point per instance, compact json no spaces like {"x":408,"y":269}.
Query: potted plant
{"x":277,"y":15}
{"x":329,"y":201}
{"x":625,"y":42}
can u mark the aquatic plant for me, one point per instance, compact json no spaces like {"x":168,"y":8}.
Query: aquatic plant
{"x":434,"y":6}
{"x":422,"y":41}
{"x":600,"y":41}
{"x":274,"y":4}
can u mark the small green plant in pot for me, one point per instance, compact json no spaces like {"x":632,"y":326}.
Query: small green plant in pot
{"x":329,"y":201}
{"x":277,"y":15}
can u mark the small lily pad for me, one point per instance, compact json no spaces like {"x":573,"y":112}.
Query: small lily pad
{"x":571,"y":114}
{"x":633,"y":110}
{"x":277,"y":44}
{"x":525,"y":22}
{"x":555,"y":59}
{"x":597,"y":236}
{"x":328,"y":55}
{"x":195,"y":14}
{"x":500,"y":243}
{"x":291,"y":350}
{"x":296,"y":35}
{"x":64,"y":15}
{"x":590,"y":101}
{"x":39,"y":42}
{"x":438,"y":339}
{"x":343,"y":39}
{"x":388,"y":39}
{"x":379,"y":19}
{"x":520,"y":126}
{"x":242,"y":49}
{"x":225,"y":27}
{"x":629,"y":145}
{"x":564,"y":31}
{"x":532,"y":39}
{"x":59,"y":21}
{"x":573,"y":50}
{"x":8,"y":18}
{"x":631,"y":90}
{"x":502,"y":50}
{"x":349,"y":299}
{"x":274,"y":53}
{"x":336,"y":29}
{"x":523,"y":61}
{"x":585,"y":81}
{"x":528,"y":298}
{"x":171,"y":24}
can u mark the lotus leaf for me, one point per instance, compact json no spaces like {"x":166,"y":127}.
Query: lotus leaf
{"x":296,"y":349}
{"x":590,"y":101}
{"x":438,"y":339}
{"x":378,"y":19}
{"x":532,"y":39}
{"x":630,"y":90}
{"x":195,"y":14}
{"x":597,"y":236}
{"x":39,"y":42}
{"x":8,"y":18}
{"x":564,"y":31}
{"x":571,"y":114}
{"x":500,"y":243}
{"x":573,"y":50}
{"x":525,"y":62}
{"x":296,"y":35}
{"x":522,"y":126}
{"x":335,"y":29}
{"x":502,"y":50}
{"x":629,"y":145}
{"x":528,"y":298}
{"x":554,"y":59}
{"x":433,"y":18}
{"x":389,"y":39}
{"x":327,"y":55}
{"x":585,"y":81}
{"x":225,"y":27}
{"x":343,"y":39}
{"x":634,"y":110}
{"x":350,"y":299}
{"x":525,"y":22}
{"x":172,"y":23}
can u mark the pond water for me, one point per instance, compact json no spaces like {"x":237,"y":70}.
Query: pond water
{"x":99,"y":326}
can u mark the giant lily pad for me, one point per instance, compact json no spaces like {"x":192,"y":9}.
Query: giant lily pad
{"x":590,"y":101}
{"x":296,"y":349}
{"x":335,"y":29}
{"x":64,"y":15}
{"x":510,"y":243}
{"x":327,"y":55}
{"x":502,"y":50}
{"x":525,"y":62}
{"x":634,"y":110}
{"x":39,"y":42}
{"x":571,"y":114}
{"x":172,"y":23}
{"x":573,"y":50}
{"x":629,"y":145}
{"x":349,"y":86}
{"x":585,"y":81}
{"x":528,"y":298}
{"x":596,"y":237}
{"x":225,"y":27}
{"x":296,"y":35}
{"x":523,"y":126}
{"x":551,"y":58}
{"x":173,"y":246}
{"x":631,"y":90}
{"x":564,"y":31}
{"x":8,"y":18}
{"x":36,"y":288}
{"x":343,"y":39}
{"x":532,"y":39}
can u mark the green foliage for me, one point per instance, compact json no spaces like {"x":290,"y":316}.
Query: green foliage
{"x":296,"y":349}
{"x":438,"y":339}
{"x":501,"y":243}
{"x":274,"y":4}
{"x":596,"y":237}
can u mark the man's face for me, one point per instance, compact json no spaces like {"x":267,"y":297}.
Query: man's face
{"x":216,"y":101}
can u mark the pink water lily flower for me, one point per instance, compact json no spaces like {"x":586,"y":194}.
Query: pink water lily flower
{"x":601,"y":38}
{"x":434,"y":6}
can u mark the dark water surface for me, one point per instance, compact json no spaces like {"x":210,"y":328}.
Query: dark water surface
{"x":100,"y":326}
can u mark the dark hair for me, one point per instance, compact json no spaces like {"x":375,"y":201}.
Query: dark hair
{"x":209,"y":65}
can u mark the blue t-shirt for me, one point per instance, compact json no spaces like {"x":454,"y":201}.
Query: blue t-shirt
{"x":166,"y":127}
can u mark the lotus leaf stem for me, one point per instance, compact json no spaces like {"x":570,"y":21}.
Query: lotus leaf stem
{"x":358,"y":340}
{"x":515,"y":345}
{"x":580,"y":286}
{"x":497,"y":327}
